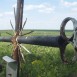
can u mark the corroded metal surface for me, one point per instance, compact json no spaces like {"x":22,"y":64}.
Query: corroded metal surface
{"x":19,"y":15}
{"x":53,"y":41}
{"x":16,"y":48}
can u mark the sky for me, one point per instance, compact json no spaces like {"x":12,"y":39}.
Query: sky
{"x":40,"y":14}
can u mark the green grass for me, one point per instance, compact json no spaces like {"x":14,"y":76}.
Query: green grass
{"x":38,"y":32}
{"x":44,"y":61}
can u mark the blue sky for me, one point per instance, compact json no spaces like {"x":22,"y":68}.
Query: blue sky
{"x":40,"y":14}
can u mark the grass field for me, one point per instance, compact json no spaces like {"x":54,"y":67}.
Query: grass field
{"x":44,"y":61}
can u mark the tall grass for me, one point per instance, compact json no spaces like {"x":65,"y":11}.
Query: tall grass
{"x":43,"y":61}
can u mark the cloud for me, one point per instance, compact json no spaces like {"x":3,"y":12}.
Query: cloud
{"x":74,"y":10}
{"x":8,"y":13}
{"x":14,"y":6}
{"x":44,"y":8}
{"x":1,"y":14}
{"x":69,"y":4}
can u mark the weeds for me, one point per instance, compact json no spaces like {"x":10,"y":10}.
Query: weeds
{"x":43,"y":62}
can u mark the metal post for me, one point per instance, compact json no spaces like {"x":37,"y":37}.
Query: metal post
{"x":19,"y":15}
{"x":18,"y":28}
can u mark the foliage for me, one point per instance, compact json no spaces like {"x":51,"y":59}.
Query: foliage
{"x":43,"y":62}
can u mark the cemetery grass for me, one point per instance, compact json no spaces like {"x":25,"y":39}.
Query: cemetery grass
{"x":43,"y":61}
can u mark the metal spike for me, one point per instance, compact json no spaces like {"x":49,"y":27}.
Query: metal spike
{"x":12,"y":26}
{"x":23,"y":27}
{"x":15,"y":15}
{"x":24,"y":23}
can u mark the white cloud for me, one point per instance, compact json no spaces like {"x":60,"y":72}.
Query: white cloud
{"x":74,"y":10}
{"x":45,"y":8}
{"x":8,"y":13}
{"x":30,"y":7}
{"x":14,"y":6}
{"x":1,"y":14}
{"x":69,"y":4}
